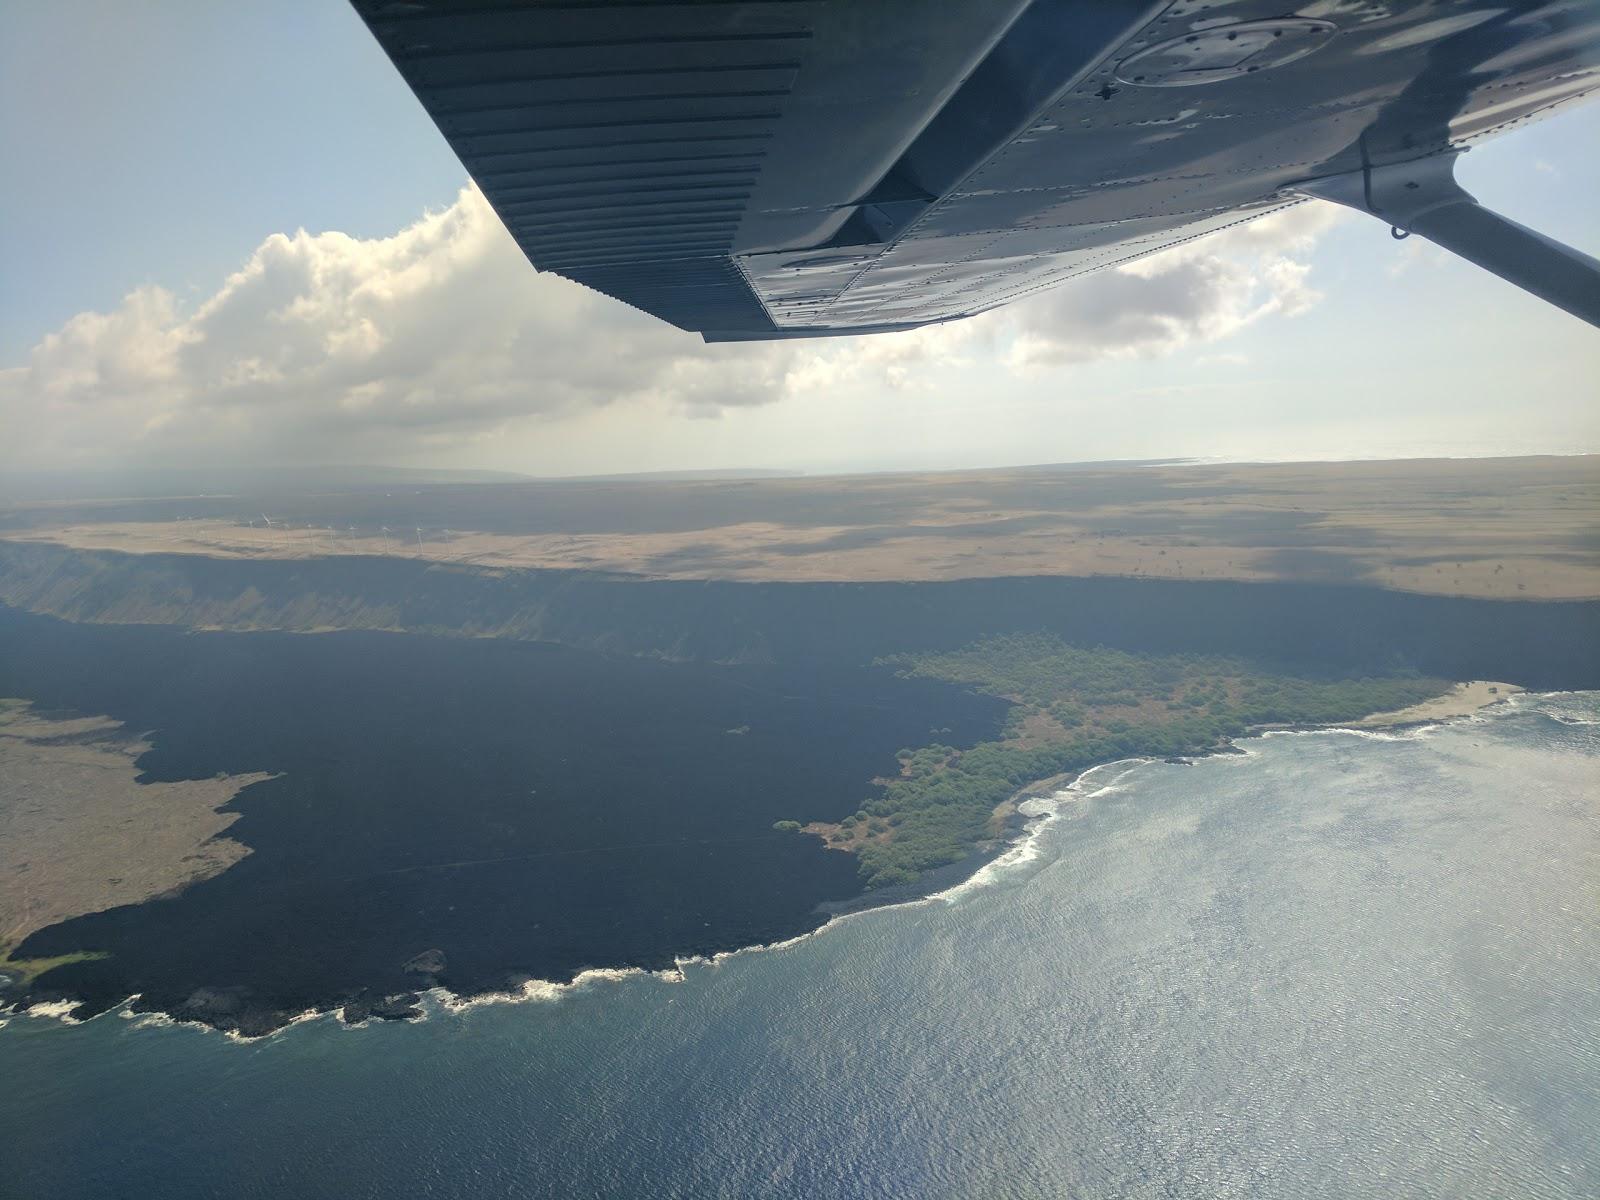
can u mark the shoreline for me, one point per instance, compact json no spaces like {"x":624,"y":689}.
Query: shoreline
{"x":1464,"y":700}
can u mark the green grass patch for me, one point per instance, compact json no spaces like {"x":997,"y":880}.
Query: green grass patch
{"x":26,"y":970}
{"x":1077,"y":707}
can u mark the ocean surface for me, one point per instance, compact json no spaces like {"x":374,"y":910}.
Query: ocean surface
{"x":1337,"y":965}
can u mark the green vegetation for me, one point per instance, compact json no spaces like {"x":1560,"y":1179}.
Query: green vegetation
{"x":786,"y":826}
{"x":1073,"y":708}
{"x":26,"y":970}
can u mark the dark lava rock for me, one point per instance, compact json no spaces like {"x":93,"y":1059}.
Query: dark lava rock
{"x":385,"y":1008}
{"x":429,"y":962}
{"x":204,"y":1003}
{"x":232,"y":1010}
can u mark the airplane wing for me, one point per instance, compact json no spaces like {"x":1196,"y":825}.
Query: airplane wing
{"x":755,"y":169}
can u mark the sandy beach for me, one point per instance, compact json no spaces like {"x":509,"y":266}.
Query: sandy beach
{"x":1460,"y":701}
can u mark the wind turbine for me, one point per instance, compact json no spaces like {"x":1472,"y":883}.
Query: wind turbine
{"x":384,"y":529}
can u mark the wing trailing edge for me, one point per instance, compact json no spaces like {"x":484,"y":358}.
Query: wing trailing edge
{"x":753,"y":169}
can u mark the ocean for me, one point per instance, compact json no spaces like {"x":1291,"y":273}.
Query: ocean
{"x":1338,"y":964}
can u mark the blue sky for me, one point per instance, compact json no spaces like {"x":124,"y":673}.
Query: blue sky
{"x":159,"y":143}
{"x":161,"y":147}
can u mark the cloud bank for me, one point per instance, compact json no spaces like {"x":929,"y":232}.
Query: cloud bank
{"x":328,"y":348}
{"x":1203,"y":291}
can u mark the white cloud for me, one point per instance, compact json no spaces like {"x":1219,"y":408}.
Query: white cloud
{"x":331,"y":348}
{"x":326,"y":346}
{"x":1416,"y":252}
{"x":1201,"y":291}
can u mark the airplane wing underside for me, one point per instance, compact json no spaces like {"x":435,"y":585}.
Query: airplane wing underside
{"x":792,"y":168}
